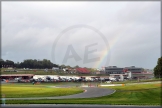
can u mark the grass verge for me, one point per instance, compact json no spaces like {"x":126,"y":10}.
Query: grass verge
{"x":23,"y":91}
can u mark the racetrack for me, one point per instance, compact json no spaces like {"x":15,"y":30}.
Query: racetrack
{"x":89,"y":93}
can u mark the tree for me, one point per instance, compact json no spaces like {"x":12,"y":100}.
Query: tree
{"x":7,"y":63}
{"x":76,"y":66}
{"x":29,"y":63}
{"x":2,"y":62}
{"x":68,"y":66}
{"x":158,"y":68}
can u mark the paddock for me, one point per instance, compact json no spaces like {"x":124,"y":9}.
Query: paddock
{"x":13,"y":76}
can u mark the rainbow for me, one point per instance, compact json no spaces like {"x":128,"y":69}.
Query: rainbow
{"x":106,"y":53}
{"x":117,"y":36}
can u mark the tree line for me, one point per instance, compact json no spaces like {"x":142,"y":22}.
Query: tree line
{"x":36,"y":64}
{"x":29,"y":63}
{"x":33,"y":64}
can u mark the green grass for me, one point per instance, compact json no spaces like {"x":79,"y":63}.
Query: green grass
{"x":118,"y":98}
{"x":136,"y":87}
{"x":22,"y":91}
{"x":46,"y":83}
{"x":143,"y":94}
{"x":136,"y":81}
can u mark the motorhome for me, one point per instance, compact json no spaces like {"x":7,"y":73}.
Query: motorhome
{"x":112,"y":79}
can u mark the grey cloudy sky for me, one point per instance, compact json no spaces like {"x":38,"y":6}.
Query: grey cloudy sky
{"x":132,"y":29}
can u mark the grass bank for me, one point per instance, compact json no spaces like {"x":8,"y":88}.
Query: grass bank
{"x":23,"y":91}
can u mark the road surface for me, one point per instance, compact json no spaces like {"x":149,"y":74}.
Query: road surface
{"x":89,"y":93}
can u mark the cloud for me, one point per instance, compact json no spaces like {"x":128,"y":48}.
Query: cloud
{"x":29,"y":30}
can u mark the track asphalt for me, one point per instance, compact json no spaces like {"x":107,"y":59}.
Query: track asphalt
{"x":89,"y":93}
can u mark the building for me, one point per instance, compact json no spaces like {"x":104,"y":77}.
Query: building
{"x":82,"y":71}
{"x":128,"y":72}
{"x":142,"y":75}
{"x":113,"y":70}
{"x":55,"y":68}
{"x":133,"y":69}
{"x":137,"y":72}
{"x":149,"y":70}
{"x":118,"y":76}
